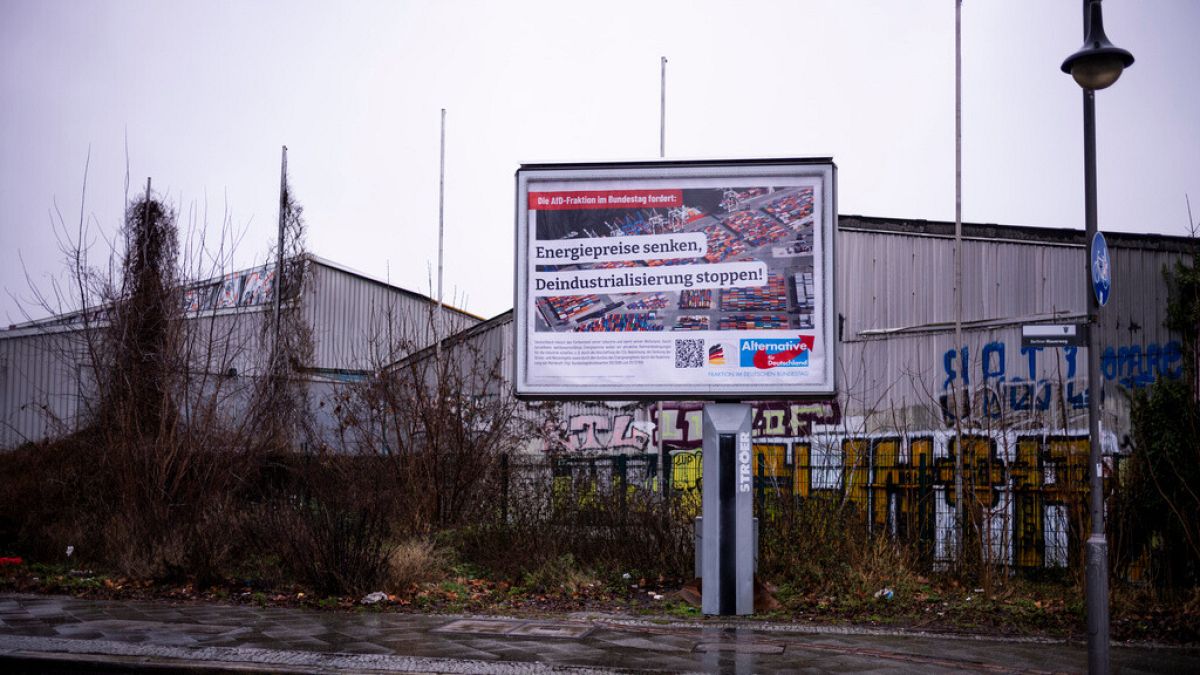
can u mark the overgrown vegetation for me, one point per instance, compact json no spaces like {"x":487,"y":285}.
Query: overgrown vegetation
{"x":146,"y":484}
{"x":1160,"y":495}
{"x":196,"y":459}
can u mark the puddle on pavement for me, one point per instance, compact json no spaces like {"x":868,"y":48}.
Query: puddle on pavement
{"x":740,"y":647}
{"x":477,"y":626}
{"x":555,"y":630}
{"x":516,"y":628}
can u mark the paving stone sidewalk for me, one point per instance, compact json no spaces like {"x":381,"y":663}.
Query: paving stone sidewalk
{"x":64,"y":634}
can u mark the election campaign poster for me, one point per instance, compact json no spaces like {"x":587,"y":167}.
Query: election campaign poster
{"x":699,"y":280}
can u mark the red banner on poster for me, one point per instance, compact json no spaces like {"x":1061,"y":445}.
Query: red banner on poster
{"x":605,"y":199}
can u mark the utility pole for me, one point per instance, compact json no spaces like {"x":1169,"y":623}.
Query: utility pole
{"x":283,"y":211}
{"x":958,"y":287}
{"x":437,"y":334}
{"x":662,"y":153}
{"x":662,"y":111}
{"x":1097,"y":544}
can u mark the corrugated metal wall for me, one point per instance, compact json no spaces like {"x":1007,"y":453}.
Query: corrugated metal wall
{"x":45,"y":373}
{"x":896,"y":298}
{"x":899,"y":367}
{"x":893,"y":281}
{"x":357,"y":323}
{"x":40,"y":371}
{"x":39,"y":387}
{"x":900,"y":375}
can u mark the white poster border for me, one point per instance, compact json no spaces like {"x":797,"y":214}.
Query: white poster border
{"x":634,"y":381}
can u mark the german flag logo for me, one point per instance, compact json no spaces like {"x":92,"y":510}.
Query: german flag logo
{"x":716,"y":355}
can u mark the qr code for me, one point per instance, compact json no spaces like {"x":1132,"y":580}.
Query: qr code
{"x":689,"y":353}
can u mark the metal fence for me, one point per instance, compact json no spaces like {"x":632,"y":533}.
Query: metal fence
{"x":1024,"y":497}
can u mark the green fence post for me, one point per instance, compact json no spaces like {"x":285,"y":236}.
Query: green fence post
{"x":623,"y":483}
{"x":761,"y":484}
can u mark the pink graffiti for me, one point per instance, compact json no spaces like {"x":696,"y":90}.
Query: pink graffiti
{"x":595,"y":433}
{"x":681,"y":423}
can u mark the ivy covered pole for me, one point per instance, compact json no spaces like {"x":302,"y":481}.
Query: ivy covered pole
{"x":1096,"y":65}
{"x":278,"y":299}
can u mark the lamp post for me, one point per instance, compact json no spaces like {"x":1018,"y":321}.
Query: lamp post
{"x":1096,"y":65}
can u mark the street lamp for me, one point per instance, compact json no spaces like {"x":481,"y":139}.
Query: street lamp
{"x":1096,"y":65}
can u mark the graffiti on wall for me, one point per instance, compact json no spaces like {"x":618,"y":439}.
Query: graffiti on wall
{"x":682,"y":423}
{"x":1001,"y":383}
{"x":611,"y":432}
{"x":248,"y":288}
{"x":1027,"y":493}
{"x":597,"y":430}
{"x":1026,"y":490}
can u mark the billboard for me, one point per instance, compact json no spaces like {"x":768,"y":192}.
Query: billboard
{"x":675,"y":280}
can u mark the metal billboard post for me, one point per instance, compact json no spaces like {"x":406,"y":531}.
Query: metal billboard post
{"x":728,"y":506}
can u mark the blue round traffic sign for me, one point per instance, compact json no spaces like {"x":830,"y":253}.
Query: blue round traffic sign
{"x":1101,"y":269}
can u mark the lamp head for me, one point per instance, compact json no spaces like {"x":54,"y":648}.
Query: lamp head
{"x":1098,"y":63}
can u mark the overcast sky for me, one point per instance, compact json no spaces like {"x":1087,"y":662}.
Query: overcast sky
{"x":204,"y":94}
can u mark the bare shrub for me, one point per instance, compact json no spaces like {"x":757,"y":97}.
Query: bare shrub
{"x":438,"y":420}
{"x":415,"y":561}
{"x":329,"y":521}
{"x":45,"y":497}
{"x":820,"y":545}
{"x":278,"y":412}
{"x":164,"y":493}
{"x":555,"y":514}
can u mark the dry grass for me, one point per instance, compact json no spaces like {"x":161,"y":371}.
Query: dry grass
{"x":559,"y":575}
{"x":415,"y":562}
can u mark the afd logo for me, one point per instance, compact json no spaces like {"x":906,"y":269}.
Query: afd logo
{"x":775,"y":353}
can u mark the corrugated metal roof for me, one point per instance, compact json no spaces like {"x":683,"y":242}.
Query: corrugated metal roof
{"x":1017,"y":233}
{"x":375,"y":280}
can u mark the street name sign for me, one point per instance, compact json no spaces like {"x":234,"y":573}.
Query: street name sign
{"x":1053,"y":335}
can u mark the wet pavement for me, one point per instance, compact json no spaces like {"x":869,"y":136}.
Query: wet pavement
{"x":64,"y":634}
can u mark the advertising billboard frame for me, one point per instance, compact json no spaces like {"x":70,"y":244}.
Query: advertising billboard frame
{"x":820,"y":171}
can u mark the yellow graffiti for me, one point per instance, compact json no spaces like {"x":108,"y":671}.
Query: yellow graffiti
{"x":802,"y":475}
{"x":686,"y":469}
{"x":856,"y":462}
{"x":897,"y":482}
{"x":770,"y":461}
{"x":887,"y":477}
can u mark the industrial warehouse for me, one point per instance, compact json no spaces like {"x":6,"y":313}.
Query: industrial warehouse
{"x":45,"y":372}
{"x":886,"y":441}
